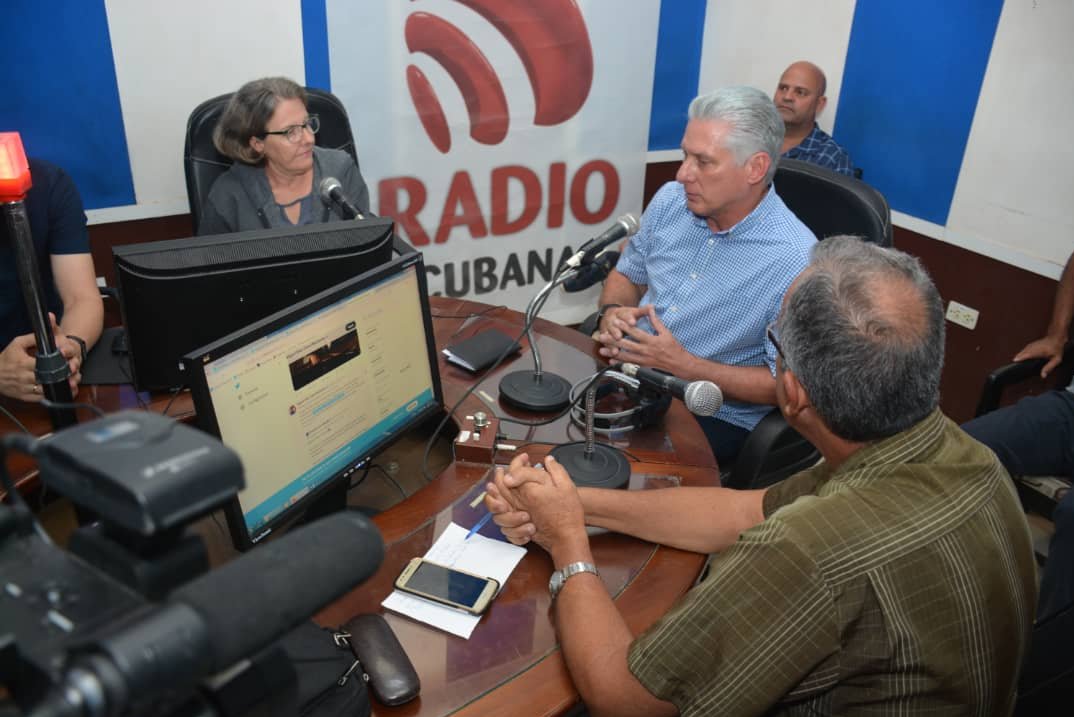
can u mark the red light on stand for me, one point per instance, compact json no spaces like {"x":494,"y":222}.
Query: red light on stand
{"x":14,"y":169}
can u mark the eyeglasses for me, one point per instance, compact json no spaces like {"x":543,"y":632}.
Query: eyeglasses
{"x":770,"y":330}
{"x":294,"y":133}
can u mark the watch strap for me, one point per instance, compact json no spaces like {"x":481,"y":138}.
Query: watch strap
{"x":560,"y":577}
{"x":603,"y":310}
{"x":81,"y":343}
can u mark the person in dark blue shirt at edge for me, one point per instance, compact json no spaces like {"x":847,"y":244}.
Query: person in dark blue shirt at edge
{"x":58,"y":227}
{"x":1035,"y":437}
{"x":268,"y":130}
{"x":800,"y":98}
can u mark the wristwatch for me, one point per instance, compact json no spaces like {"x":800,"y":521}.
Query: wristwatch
{"x":82,"y":344}
{"x":559,"y":578}
{"x":602,"y":311}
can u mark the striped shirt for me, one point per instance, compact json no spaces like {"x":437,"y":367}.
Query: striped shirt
{"x":716,"y":292}
{"x":902,"y":583}
{"x":819,"y":148}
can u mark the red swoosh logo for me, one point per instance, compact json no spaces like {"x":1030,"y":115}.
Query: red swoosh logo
{"x":550,"y":38}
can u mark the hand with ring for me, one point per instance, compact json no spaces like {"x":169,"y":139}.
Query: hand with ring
{"x":17,"y":362}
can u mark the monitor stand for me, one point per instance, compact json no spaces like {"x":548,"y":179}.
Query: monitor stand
{"x":332,"y":501}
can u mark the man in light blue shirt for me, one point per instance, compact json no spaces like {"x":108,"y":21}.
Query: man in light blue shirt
{"x":697,"y":286}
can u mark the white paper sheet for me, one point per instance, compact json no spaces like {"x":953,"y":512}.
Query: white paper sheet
{"x":479,"y":555}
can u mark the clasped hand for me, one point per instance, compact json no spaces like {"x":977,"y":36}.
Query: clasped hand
{"x":531,"y":502}
{"x":623,"y":340}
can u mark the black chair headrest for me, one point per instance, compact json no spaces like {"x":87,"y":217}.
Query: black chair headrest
{"x":830,"y":203}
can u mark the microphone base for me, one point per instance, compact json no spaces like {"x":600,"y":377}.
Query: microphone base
{"x":607,"y":467}
{"x":523,"y":389}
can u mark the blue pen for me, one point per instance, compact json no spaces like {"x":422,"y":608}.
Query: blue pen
{"x":479,"y":525}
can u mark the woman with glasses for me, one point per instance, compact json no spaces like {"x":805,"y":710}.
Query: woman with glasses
{"x":267,"y":129}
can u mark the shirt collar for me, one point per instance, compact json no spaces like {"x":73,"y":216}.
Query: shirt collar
{"x":904,"y":447}
{"x":763,"y":209}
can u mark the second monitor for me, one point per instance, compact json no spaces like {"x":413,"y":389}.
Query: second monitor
{"x":180,"y":294}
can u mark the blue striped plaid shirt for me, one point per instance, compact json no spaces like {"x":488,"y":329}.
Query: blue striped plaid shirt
{"x":716,"y":292}
{"x":819,"y":148}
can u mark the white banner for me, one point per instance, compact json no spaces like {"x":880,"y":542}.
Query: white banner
{"x":500,"y":134}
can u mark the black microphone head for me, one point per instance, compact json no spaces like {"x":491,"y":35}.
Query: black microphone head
{"x":327,"y":187}
{"x":594,"y":273}
{"x":257,"y":598}
{"x":703,"y":398}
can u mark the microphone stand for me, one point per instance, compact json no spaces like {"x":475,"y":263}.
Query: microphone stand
{"x":591,"y":464}
{"x":51,"y":369}
{"x":536,"y":390}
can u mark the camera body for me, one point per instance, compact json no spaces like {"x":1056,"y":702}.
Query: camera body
{"x":124,"y":622}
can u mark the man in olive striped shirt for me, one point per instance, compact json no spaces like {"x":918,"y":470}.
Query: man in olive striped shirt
{"x":895,"y":577}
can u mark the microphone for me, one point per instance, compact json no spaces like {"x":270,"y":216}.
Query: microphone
{"x":215,"y":621}
{"x":593,"y":273}
{"x":331,"y":192}
{"x":625,"y":226}
{"x":702,"y":398}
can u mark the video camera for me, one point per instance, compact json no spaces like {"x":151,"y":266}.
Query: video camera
{"x":124,"y":623}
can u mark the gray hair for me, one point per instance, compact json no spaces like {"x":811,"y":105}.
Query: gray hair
{"x":864,"y":333}
{"x":247,"y":115}
{"x":755,"y":122}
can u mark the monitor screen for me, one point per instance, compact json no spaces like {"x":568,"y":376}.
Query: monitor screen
{"x":179,"y":294}
{"x":309,"y":395}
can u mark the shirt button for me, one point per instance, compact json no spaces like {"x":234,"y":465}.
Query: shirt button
{"x":693,"y":276}
{"x":674,"y":308}
{"x":711,"y":242}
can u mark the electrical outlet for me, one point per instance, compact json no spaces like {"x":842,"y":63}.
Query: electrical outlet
{"x":962,"y":315}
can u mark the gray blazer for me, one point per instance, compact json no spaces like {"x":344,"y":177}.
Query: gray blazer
{"x":241,"y":200}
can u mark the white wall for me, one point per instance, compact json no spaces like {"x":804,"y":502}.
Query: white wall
{"x":1014,"y":193}
{"x":169,"y":57}
{"x":751,"y":42}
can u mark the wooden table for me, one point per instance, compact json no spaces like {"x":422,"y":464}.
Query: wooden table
{"x":511,"y":665}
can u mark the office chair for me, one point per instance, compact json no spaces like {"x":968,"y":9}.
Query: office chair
{"x":1008,"y":376}
{"x":203,"y":164}
{"x":829,"y":204}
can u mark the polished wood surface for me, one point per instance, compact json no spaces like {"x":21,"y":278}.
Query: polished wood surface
{"x":511,"y":665}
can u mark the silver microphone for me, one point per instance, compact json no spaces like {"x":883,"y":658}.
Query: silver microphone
{"x":625,"y":226}
{"x":702,"y":398}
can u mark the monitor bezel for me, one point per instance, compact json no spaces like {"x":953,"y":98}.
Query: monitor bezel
{"x":206,"y":415}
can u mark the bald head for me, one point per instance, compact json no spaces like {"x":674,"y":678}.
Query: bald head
{"x":863,"y":331}
{"x":800,"y":94}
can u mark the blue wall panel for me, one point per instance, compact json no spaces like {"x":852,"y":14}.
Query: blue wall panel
{"x":60,"y":94}
{"x":678,"y":66}
{"x":913,"y":73}
{"x":315,"y":44}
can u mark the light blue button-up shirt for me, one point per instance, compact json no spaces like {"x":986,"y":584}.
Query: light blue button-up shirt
{"x":717,"y":292}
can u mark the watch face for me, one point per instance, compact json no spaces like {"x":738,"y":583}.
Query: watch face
{"x":555,"y":583}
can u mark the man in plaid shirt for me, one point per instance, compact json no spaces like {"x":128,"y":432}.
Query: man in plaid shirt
{"x":800,"y":98}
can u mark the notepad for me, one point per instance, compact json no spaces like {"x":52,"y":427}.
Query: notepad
{"x":479,"y":555}
{"x":481,"y":350}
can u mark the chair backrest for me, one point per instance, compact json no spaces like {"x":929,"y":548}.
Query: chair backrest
{"x":203,"y":164}
{"x":830,"y":203}
{"x":773,"y":451}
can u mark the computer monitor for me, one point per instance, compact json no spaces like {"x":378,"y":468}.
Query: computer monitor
{"x":179,"y":294}
{"x":309,"y":395}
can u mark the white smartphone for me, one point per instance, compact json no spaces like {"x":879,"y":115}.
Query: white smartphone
{"x":447,"y":586}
